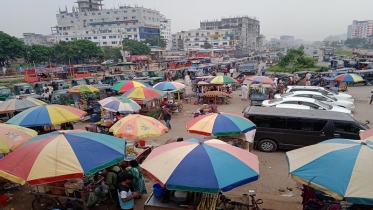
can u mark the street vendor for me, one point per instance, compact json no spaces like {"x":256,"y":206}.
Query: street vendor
{"x":213,"y":107}
{"x":126,"y":197}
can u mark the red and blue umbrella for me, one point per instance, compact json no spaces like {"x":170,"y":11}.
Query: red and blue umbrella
{"x":62,"y":155}
{"x":127,"y":85}
{"x":201,"y":165}
{"x":260,"y":79}
{"x":349,"y":78}
{"x":169,"y":86}
{"x":220,"y":124}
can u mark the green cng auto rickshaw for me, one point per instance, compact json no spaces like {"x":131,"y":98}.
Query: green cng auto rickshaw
{"x":60,"y":85}
{"x":4,"y":93}
{"x":75,"y":82}
{"x":22,"y":88}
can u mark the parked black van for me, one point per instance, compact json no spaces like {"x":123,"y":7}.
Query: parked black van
{"x":295,"y":128}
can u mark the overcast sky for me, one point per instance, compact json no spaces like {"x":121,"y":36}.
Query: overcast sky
{"x":308,"y":20}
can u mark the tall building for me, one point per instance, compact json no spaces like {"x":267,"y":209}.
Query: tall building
{"x":195,"y":39}
{"x":165,"y":30}
{"x":107,"y":27}
{"x":360,"y":29}
{"x":287,"y":40}
{"x":246,"y":30}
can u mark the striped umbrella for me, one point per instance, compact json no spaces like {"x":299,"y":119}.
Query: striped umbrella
{"x":17,"y":105}
{"x":13,"y":136}
{"x":221,"y":80}
{"x":201,"y":165}
{"x":169,"y":86}
{"x":47,"y":115}
{"x":127,"y":85}
{"x":61,"y":155}
{"x":338,"y":167}
{"x":349,"y":78}
{"x":119,"y":104}
{"x":85,"y":89}
{"x":260,"y":79}
{"x":143,"y":93}
{"x":220,"y":124}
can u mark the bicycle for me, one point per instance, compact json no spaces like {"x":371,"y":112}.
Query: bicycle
{"x":228,"y":204}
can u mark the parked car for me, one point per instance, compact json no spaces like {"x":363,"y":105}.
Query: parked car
{"x":321,"y":97}
{"x":316,"y":104}
{"x":322,"y":90}
{"x":294,"y":128}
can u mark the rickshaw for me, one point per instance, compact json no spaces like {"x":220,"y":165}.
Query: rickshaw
{"x":60,"y":83}
{"x":111,"y":79}
{"x":316,"y":57}
{"x":90,"y":80}
{"x":56,"y":97}
{"x":22,"y":88}
{"x":336,"y":64}
{"x":4,"y":93}
{"x":38,"y":86}
{"x":80,"y":81}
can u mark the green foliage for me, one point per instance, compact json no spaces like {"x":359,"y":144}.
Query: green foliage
{"x":297,"y":58}
{"x":355,"y":43}
{"x":135,"y":47}
{"x":10,"y":48}
{"x":112,"y":53}
{"x":156,"y":41}
{"x":301,"y":47}
{"x":277,"y":68}
{"x":38,"y":54}
{"x":66,"y":52}
{"x":206,"y":45}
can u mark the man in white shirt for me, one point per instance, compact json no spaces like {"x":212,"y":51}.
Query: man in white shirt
{"x":244,"y":92}
{"x":308,"y":75}
{"x":231,"y":71}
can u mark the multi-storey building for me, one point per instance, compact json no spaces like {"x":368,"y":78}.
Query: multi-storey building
{"x":360,"y":29}
{"x":217,"y":38}
{"x":165,"y":31}
{"x":287,"y":40}
{"x":107,"y":27}
{"x":246,"y":30}
{"x":47,"y":40}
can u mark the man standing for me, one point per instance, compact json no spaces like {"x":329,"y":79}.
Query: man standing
{"x":126,"y":197}
{"x":308,"y":75}
{"x":166,"y":114}
{"x":263,"y":70}
{"x":231,"y":71}
{"x":371,"y":98}
{"x":244,"y":92}
{"x":112,"y":179}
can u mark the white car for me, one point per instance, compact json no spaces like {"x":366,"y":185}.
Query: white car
{"x":313,"y":103}
{"x":322,"y":90}
{"x":321,"y":97}
{"x":294,"y":106}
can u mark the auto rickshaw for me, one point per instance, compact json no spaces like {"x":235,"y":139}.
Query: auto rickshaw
{"x":111,"y":79}
{"x":22,"y":88}
{"x":80,"y":81}
{"x":38,"y":86}
{"x":4,"y":93}
{"x":316,"y":57}
{"x":56,"y":84}
{"x":124,"y":76}
{"x":90,"y":80}
{"x":56,"y":97}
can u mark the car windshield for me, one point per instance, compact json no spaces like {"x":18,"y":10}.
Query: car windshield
{"x":81,"y":82}
{"x":323,"y":105}
{"x":274,"y":100}
{"x":287,"y":94}
{"x":4,"y":91}
{"x":325,"y":91}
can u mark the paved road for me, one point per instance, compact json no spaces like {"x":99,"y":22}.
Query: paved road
{"x":309,"y":52}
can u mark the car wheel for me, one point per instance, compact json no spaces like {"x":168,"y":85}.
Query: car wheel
{"x":267,"y":145}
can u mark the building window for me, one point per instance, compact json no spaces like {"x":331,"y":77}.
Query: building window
{"x":89,"y":37}
{"x":129,"y":36}
{"x":72,"y":21}
{"x":115,"y":12}
{"x":67,"y":39}
{"x":189,"y":34}
{"x":91,"y":20}
{"x":216,"y":44}
{"x":85,"y":38}
{"x":196,"y":44}
{"x":118,"y":24}
{"x":102,"y":18}
{"x":114,"y":42}
{"x":108,"y":24}
{"x":125,"y":18}
{"x":114,"y":37}
{"x":73,"y":38}
{"x":125,"y":11}
{"x":128,"y":30}
{"x":98,"y":43}
{"x":62,"y":16}
{"x":135,"y":35}
{"x":109,"y":31}
{"x":117,"y":18}
{"x":225,"y":43}
{"x":93,"y":13}
{"x":133,"y":10}
{"x":104,"y":37}
{"x":135,"y":29}
{"x":104,"y":42}
{"x":107,"y":12}
{"x":133,"y":17}
{"x":85,"y":14}
{"x":86,"y":32}
{"x":95,"y":37}
{"x":208,"y":33}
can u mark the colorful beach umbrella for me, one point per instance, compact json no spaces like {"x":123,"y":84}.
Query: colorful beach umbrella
{"x":13,"y":136}
{"x":338,"y":167}
{"x":220,"y":80}
{"x":18,"y":105}
{"x":127,"y":85}
{"x":219,"y":124}
{"x":61,"y":155}
{"x":119,"y":104}
{"x":349,"y":78}
{"x":84,"y":89}
{"x":169,"y":86}
{"x":135,"y":126}
{"x":260,"y":79}
{"x":201,"y":165}
{"x":47,"y":115}
{"x":143,"y":93}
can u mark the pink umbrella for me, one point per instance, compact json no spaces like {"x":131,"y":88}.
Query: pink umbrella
{"x":260,"y":79}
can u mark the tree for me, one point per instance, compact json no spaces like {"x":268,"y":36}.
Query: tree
{"x":156,"y":41}
{"x":301,"y":48}
{"x":111,"y":53}
{"x":135,"y":47}
{"x":74,"y":51}
{"x":38,"y":54}
{"x":10,"y":48}
{"x":297,"y":58}
{"x":206,"y":45}
{"x":355,"y":42}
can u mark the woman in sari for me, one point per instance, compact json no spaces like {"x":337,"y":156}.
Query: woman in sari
{"x":138,"y":182}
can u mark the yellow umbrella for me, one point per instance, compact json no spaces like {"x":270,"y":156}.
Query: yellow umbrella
{"x":85,"y":89}
{"x":136,"y":126}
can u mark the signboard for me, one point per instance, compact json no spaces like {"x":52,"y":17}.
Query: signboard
{"x":216,"y":36}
